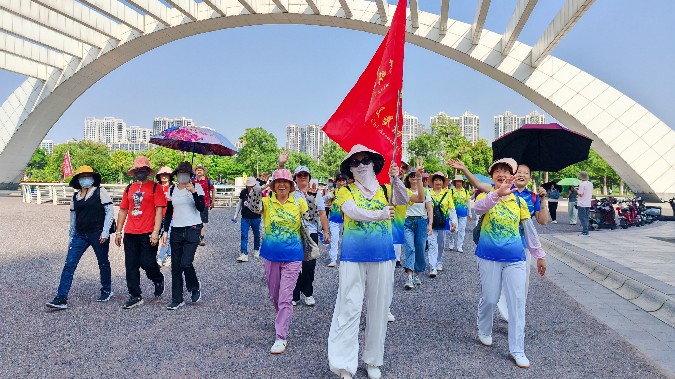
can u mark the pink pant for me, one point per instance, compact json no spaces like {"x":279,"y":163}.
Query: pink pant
{"x":281,"y":279}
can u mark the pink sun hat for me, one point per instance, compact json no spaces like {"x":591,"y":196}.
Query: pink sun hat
{"x":283,"y":174}
{"x":140,"y":162}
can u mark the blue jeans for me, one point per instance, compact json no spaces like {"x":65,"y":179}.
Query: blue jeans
{"x":165,"y":251}
{"x":415,"y":232}
{"x":253,"y":223}
{"x":584,"y":212}
{"x":78,"y":245}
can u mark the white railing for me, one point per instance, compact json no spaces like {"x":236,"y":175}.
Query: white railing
{"x":61,"y":193}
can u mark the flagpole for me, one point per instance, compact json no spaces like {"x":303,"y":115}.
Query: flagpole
{"x":393,"y":158}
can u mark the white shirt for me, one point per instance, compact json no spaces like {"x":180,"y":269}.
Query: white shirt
{"x":312,"y":227}
{"x":419,"y":209}
{"x":185,"y":212}
{"x":585,"y":194}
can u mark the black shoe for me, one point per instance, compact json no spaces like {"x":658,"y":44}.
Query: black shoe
{"x":105,"y":296}
{"x":159,"y":288}
{"x":133,"y":302}
{"x":196,"y":295}
{"x":201,"y":241}
{"x":59,"y":303}
{"x":398,"y":264}
{"x":175,"y":305}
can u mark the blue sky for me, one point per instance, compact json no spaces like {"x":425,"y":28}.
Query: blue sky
{"x":275,"y":75}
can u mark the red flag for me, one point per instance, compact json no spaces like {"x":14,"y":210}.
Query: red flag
{"x":367,"y":115}
{"x":66,"y":167}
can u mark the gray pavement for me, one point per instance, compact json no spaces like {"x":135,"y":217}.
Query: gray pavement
{"x":228,"y":335}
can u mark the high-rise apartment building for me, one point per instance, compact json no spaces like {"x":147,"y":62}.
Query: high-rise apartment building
{"x":47,"y":145}
{"x":468,"y":123}
{"x":160,"y":124}
{"x":508,"y":122}
{"x":114,"y":133}
{"x":410,"y":129}
{"x":105,"y":130}
{"x":308,"y":139}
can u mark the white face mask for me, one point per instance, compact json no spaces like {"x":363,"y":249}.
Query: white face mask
{"x":183,"y":177}
{"x":366,"y":180}
{"x":86,"y":182}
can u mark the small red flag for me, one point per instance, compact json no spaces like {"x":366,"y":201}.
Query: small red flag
{"x":367,"y":115}
{"x":66,"y":167}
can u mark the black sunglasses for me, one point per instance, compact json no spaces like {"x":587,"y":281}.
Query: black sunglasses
{"x":365,"y":161}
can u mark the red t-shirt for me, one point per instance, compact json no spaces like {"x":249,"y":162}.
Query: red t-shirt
{"x":207,"y":185}
{"x":141,"y":216}
{"x":165,"y":189}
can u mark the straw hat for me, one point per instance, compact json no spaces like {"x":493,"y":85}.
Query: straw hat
{"x":582,"y":175}
{"x":202,"y":167}
{"x":164,"y":171}
{"x":283,"y":174}
{"x":74,"y":181}
{"x":378,"y":159}
{"x":439,"y":175}
{"x":458,"y":178}
{"x":508,"y":161}
{"x":140,"y":162}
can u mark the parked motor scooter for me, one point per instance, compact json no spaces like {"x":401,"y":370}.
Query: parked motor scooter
{"x":628,"y":215}
{"x":648,"y":213}
{"x":602,"y":214}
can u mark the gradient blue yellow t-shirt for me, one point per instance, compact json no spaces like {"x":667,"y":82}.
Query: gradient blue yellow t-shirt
{"x":282,"y":222}
{"x":459,"y":197}
{"x":447,"y":204}
{"x":335,"y":214}
{"x":365,"y":241}
{"x":499,"y":235}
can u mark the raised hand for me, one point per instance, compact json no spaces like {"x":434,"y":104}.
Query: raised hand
{"x":393,"y":169}
{"x":283,"y":158}
{"x":505,"y":188}
{"x":456,"y":164}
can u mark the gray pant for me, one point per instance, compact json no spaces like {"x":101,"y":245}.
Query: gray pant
{"x":584,"y":212}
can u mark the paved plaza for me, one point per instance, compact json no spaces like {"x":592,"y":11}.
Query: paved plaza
{"x":229,"y":333}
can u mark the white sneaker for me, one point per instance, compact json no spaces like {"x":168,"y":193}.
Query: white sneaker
{"x":485,"y":340}
{"x":554,"y":221}
{"x":332,"y":264}
{"x":279,"y":346}
{"x":390,"y":317}
{"x":417,"y":280}
{"x":256,"y":253}
{"x":521,"y":360}
{"x":167,"y":261}
{"x":344,"y":374}
{"x":310,"y":301}
{"x":460,"y":250}
{"x":242,"y":258}
{"x":373,"y":372}
{"x":433,"y":273}
{"x":409,"y":283}
{"x":294,"y":303}
{"x":439,"y":267}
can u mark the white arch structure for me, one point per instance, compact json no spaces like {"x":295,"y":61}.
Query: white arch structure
{"x":65,"y":46}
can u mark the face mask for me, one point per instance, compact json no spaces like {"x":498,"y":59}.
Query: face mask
{"x":141,"y":175}
{"x":183,"y":177}
{"x":86,"y":182}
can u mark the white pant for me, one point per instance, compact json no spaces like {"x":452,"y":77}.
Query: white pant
{"x":375,"y":280}
{"x":493,"y":277}
{"x":457,"y":238}
{"x":398,"y":250}
{"x":501,"y":305}
{"x":436,"y":246}
{"x":335,"y":235}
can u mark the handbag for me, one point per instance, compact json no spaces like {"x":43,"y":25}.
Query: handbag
{"x":309,"y":247}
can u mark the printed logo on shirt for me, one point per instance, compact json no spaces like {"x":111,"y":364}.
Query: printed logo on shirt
{"x":138,"y":199}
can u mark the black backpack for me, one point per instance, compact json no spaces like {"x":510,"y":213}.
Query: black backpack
{"x":439,"y":217}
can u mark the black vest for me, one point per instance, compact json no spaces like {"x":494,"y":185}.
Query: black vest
{"x":89,"y":213}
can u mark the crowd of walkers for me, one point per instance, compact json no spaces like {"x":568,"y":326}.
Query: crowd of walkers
{"x":369,"y":228}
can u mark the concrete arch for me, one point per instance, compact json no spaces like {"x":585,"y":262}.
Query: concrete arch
{"x":639,"y":146}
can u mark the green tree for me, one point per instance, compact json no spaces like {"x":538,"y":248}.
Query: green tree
{"x":162,"y":156}
{"x":427,"y":148}
{"x":296,"y":159}
{"x":87,"y":153}
{"x":478,"y":157}
{"x":330,"y":158}
{"x":260,"y":151}
{"x":37,"y":163}
{"x":449,"y":138}
{"x":225,"y":168}
{"x":120,"y":162}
